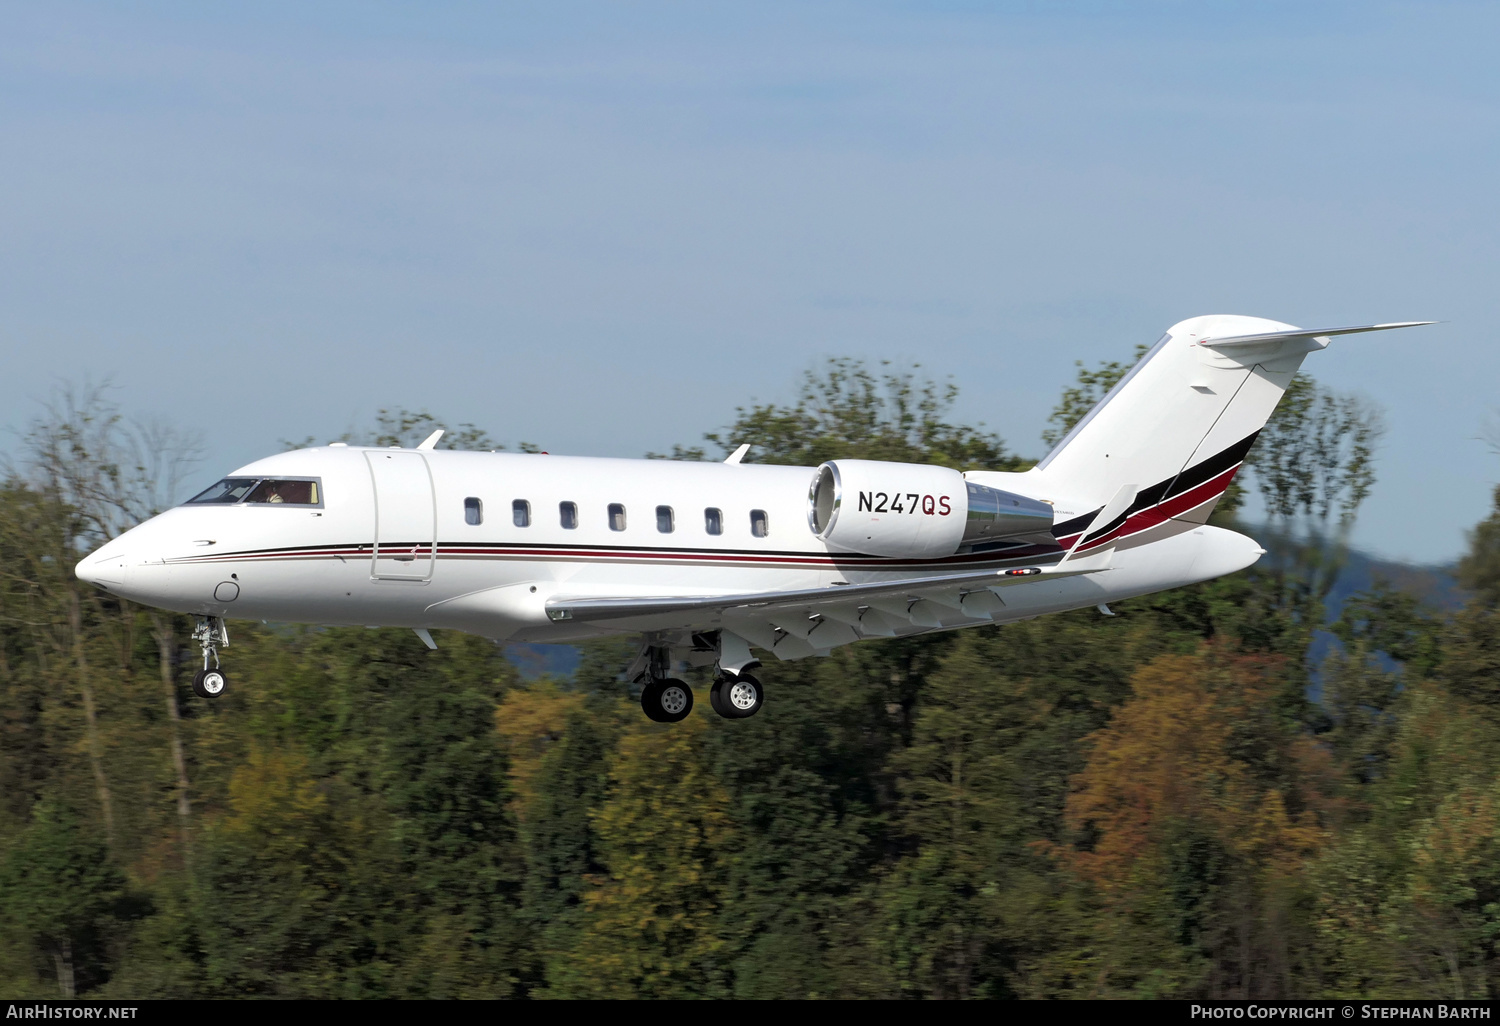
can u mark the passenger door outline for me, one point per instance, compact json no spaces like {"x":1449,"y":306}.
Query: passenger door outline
{"x":405,"y":540}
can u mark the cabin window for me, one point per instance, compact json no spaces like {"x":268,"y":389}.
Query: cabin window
{"x":567,"y":515}
{"x":713,"y":520}
{"x":616,"y":517}
{"x":291,"y":493}
{"x":520,"y":513}
{"x":664,"y":519}
{"x":473,"y":512}
{"x":758,"y":526}
{"x":229,"y":490}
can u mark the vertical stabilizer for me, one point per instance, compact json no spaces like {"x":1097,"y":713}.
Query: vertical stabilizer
{"x":1177,"y":427}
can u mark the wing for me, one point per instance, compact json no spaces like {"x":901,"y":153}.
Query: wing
{"x":812,"y":621}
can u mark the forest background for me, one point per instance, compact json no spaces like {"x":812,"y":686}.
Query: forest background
{"x":1195,"y":797}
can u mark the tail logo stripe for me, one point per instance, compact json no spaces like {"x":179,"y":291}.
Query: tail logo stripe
{"x":1163,"y":500}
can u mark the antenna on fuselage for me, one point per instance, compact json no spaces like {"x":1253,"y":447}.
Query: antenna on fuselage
{"x":432,"y":440}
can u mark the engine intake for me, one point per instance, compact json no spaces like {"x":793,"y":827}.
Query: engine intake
{"x":913,"y":510}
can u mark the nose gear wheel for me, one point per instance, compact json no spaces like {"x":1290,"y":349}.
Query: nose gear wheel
{"x":209,"y":683}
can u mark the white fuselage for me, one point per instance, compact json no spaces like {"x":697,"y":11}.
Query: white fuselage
{"x":392,"y":542}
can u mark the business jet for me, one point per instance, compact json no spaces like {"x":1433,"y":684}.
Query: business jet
{"x":724,"y":564}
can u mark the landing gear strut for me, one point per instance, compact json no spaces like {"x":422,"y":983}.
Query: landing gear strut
{"x":210,"y":634}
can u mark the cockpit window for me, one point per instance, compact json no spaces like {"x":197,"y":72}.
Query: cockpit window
{"x":231,"y":489}
{"x":292,"y":493}
{"x":261,"y":490}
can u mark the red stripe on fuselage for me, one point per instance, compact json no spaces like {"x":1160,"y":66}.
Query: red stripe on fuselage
{"x":503,"y":552}
{"x":1162,"y":512}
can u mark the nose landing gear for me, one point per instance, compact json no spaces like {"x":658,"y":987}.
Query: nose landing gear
{"x":210,"y":634}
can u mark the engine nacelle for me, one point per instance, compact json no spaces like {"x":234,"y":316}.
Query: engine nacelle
{"x":912,"y":510}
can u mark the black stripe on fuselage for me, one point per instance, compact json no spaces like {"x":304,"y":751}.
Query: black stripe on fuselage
{"x":460,"y":550}
{"x":1160,"y":492}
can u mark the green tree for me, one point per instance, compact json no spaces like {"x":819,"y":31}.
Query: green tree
{"x":1479,"y":569}
{"x":1409,"y":902}
{"x":1313,"y":465}
{"x":847,"y":410}
{"x":1078,"y":804}
{"x":1388,"y":641}
{"x":446,"y":784}
{"x":1193,"y":820}
{"x":60,"y":889}
{"x":804,"y":784}
{"x":408,"y":429}
{"x":1089,"y":388}
{"x":665,"y":837}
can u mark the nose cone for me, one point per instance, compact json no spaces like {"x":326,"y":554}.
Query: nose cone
{"x":105,"y":567}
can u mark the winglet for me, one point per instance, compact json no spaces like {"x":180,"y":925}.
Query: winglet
{"x":432,"y":440}
{"x":738,"y":454}
{"x":1308,"y":333}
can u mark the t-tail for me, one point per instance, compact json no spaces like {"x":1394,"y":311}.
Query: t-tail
{"x":1174,"y":430}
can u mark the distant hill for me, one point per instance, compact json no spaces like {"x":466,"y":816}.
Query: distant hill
{"x":1435,"y":585}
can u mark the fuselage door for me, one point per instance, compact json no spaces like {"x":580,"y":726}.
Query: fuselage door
{"x":405,"y":516}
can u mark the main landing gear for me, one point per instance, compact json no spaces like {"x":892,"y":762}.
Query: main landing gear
{"x":736,"y":696}
{"x":664,"y":699}
{"x":667,"y":700}
{"x":210,"y":634}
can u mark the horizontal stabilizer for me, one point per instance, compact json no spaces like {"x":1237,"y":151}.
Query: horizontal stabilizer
{"x":1307,"y":333}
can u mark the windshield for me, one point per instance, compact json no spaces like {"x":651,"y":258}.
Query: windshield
{"x":260,"y":490}
{"x":231,"y":489}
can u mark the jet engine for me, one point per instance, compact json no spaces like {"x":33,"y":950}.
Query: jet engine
{"x":913,"y":511}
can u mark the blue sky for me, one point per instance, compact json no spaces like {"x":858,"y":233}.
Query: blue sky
{"x":601,"y":227}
